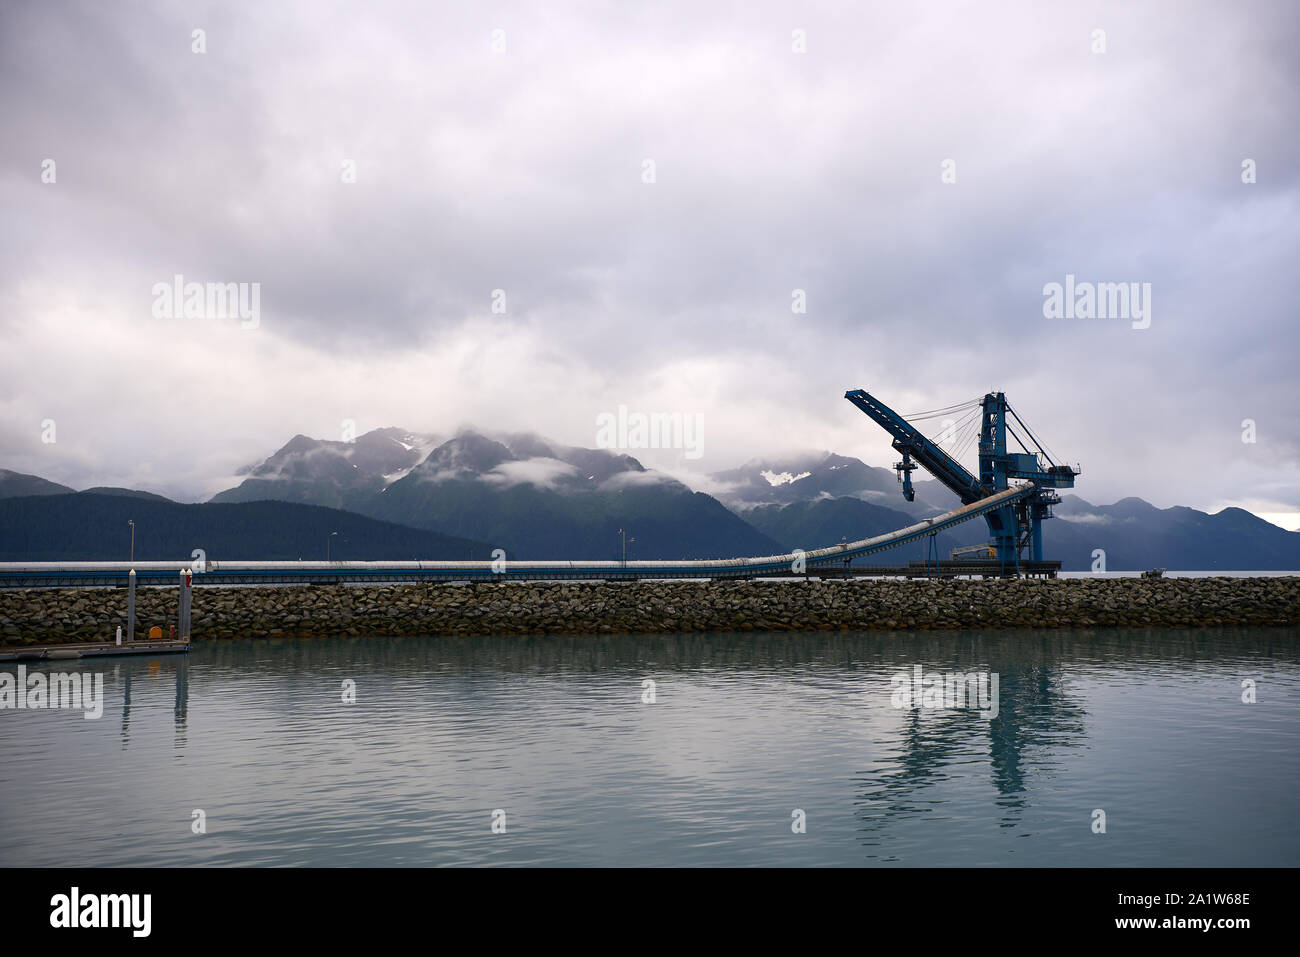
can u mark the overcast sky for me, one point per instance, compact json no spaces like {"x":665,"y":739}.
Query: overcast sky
{"x":517,"y":161}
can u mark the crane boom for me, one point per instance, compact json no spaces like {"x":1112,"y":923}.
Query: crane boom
{"x":909,"y":440}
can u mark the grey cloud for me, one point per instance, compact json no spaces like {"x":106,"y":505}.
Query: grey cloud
{"x":775,"y":171}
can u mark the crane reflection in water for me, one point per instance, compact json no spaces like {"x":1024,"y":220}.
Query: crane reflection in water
{"x":1037,"y":718}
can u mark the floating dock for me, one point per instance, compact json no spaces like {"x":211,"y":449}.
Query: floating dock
{"x":94,"y":649}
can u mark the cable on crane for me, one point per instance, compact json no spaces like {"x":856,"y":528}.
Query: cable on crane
{"x":969,"y":434}
{"x":961,"y":428}
{"x":1023,"y":444}
{"x":964,"y":423}
{"x":1051,"y":456}
{"x":933,"y":413}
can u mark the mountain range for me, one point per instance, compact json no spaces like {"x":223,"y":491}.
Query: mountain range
{"x":540,"y":499}
{"x":93,"y":526}
{"x":537,"y":498}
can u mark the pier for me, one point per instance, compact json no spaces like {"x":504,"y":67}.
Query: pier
{"x":178,"y":642}
{"x":94,"y":649}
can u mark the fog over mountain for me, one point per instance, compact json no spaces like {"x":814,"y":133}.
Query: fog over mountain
{"x":336,"y":474}
{"x":537,"y":498}
{"x":813,"y":499}
{"x":811,"y":476}
{"x":541,"y":499}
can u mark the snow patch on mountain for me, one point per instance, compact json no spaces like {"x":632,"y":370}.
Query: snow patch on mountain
{"x":782,"y":478}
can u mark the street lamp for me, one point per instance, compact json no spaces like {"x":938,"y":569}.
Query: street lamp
{"x":327,"y":545}
{"x":131,"y":522}
{"x":623,"y":536}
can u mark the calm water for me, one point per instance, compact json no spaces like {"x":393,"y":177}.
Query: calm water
{"x":1147,"y":725}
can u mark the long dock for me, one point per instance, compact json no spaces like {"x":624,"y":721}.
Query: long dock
{"x":94,"y":649}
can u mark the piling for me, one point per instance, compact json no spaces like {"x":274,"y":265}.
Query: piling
{"x":183,"y":607}
{"x":130,"y":606}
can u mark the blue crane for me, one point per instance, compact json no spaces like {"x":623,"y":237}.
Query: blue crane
{"x":1013,"y":527}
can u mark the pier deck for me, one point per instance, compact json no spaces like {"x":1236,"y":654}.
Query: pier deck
{"x":93,"y":649}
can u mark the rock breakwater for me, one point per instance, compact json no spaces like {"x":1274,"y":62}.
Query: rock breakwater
{"x":46,"y":616}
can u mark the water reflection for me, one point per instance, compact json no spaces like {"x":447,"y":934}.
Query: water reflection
{"x":746,"y":727}
{"x":1132,"y":649}
{"x":1038,"y":719}
{"x":148,"y":673}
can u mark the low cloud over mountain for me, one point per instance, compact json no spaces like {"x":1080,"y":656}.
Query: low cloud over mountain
{"x":540,"y":499}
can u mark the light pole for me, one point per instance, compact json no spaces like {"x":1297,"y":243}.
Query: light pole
{"x":623,"y":536}
{"x":131,"y":522}
{"x":328,"y":542}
